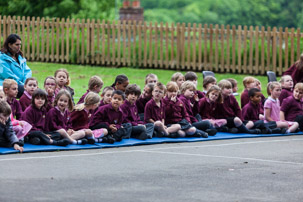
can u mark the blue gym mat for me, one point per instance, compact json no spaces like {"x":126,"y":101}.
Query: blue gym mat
{"x":133,"y":142}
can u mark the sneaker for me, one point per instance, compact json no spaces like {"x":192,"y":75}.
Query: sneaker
{"x":211,"y":132}
{"x":34,"y":140}
{"x":91,"y":141}
{"x":233,"y":130}
{"x":83,"y":141}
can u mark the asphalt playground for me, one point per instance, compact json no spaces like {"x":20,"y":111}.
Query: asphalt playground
{"x":252,"y":169}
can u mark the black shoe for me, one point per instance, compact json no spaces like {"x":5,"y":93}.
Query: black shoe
{"x":233,"y":130}
{"x":255,"y":131}
{"x":276,"y":131}
{"x":265,"y":131}
{"x":21,"y":143}
{"x":83,"y":141}
{"x":34,"y":140}
{"x":223,"y":129}
{"x":159,"y":134}
{"x":63,"y":142}
{"x":91,"y":141}
{"x":142,"y":136}
{"x":283,"y":130}
{"x":108,"y":139}
{"x":26,"y":139}
{"x":173,"y":135}
{"x":211,"y":132}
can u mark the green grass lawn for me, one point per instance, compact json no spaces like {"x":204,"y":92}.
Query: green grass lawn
{"x":80,"y":75}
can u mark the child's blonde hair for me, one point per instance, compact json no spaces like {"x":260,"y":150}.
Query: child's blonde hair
{"x":187,"y":85}
{"x":2,"y":93}
{"x":7,"y":84}
{"x":271,"y":86}
{"x":105,"y":89}
{"x":172,"y":86}
{"x":94,"y":81}
{"x":299,"y":86}
{"x":90,"y":99}
{"x":150,"y":76}
{"x":70,"y":101}
{"x":217,"y":89}
{"x":248,"y":80}
{"x":5,"y":108}
{"x":67,"y":75}
{"x":225,"y":84}
{"x":176,"y":76}
{"x":207,"y":80}
{"x":283,"y":78}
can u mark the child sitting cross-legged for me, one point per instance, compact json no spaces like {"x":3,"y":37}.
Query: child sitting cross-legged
{"x":155,"y":112}
{"x":230,"y":110}
{"x":130,"y":112}
{"x":95,"y":84}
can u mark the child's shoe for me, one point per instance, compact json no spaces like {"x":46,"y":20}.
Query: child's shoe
{"x":34,"y":140}
{"x":211,"y":131}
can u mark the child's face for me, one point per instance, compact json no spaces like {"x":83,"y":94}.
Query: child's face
{"x":107,"y":97}
{"x":61,"y":79}
{"x":210,"y":85}
{"x":258,"y":85}
{"x":235,"y":88}
{"x":132,"y":98}
{"x":171,"y":94}
{"x":298,"y":94}
{"x":189,"y":93}
{"x":122,"y":86}
{"x":31,"y":86}
{"x":288,"y":83}
{"x":97,"y":89}
{"x":226,"y":92}
{"x":95,"y":106}
{"x":12,"y":92}
{"x":256,"y":99}
{"x":63,"y":102}
{"x":180,"y":81}
{"x":50,"y":84}
{"x":39,"y":102}
{"x":4,"y":118}
{"x":276,"y":92}
{"x":251,"y":85}
{"x":147,"y":92}
{"x":2,"y":96}
{"x":158,"y":94}
{"x":152,"y":80}
{"x":117,"y":101}
{"x":213,"y":96}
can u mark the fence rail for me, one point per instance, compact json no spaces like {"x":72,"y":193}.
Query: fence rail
{"x":196,"y":47}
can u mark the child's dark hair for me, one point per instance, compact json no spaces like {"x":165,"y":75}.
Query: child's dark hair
{"x":70,"y":101}
{"x":30,"y":79}
{"x":207,"y":80}
{"x":5,"y":108}
{"x":39,"y":93}
{"x":233,"y":82}
{"x":119,"y":92}
{"x":191,"y":76}
{"x":133,"y":89}
{"x":252,"y":92}
{"x":120,"y":79}
{"x":150,"y":86}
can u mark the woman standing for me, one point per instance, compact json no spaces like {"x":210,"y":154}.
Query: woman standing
{"x":296,"y":71}
{"x":13,"y":64}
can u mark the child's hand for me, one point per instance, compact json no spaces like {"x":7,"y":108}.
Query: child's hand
{"x":70,"y":131}
{"x":113,"y":128}
{"x":17,"y":147}
{"x":50,"y":91}
{"x":173,"y":98}
{"x":261,"y":116}
{"x":196,"y":97}
{"x":20,"y":123}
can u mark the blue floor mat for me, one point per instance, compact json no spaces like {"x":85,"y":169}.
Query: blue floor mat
{"x":132,"y":142}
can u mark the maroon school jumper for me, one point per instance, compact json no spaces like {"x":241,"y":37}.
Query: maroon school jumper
{"x":56,"y":120}
{"x":189,"y":108}
{"x":229,"y":108}
{"x":251,"y":112}
{"x":25,"y":100}
{"x":245,"y":98}
{"x":207,"y":108}
{"x":285,"y":93}
{"x":16,"y":108}
{"x":174,"y":111}
{"x":130,"y":113}
{"x":107,"y":115}
{"x":141,"y":102}
{"x":80,"y":119}
{"x":292,"y":108}
{"x":81,"y":100}
{"x":50,"y":102}
{"x":35,"y":117}
{"x":297,"y":75}
{"x":153,"y":111}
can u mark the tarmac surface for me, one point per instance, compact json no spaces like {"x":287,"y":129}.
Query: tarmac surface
{"x":253,"y":169}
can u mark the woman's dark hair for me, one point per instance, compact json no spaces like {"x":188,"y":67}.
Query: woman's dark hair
{"x":11,"y":39}
{"x":39,"y":93}
{"x":120,"y":79}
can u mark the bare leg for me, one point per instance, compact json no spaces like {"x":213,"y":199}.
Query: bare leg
{"x":64,"y":134}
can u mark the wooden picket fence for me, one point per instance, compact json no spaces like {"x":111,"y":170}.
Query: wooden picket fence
{"x":230,"y":49}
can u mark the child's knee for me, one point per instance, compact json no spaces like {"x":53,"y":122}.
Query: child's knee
{"x":158,"y":124}
{"x":237,"y":121}
{"x":191,"y":131}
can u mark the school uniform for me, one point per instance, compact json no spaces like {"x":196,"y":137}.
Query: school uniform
{"x":36,"y":117}
{"x":229,"y":108}
{"x":245,"y":98}
{"x":195,"y":107}
{"x":16,"y":108}
{"x":56,"y":120}
{"x":25,"y":100}
{"x":130,"y":113}
{"x":80,"y":119}
{"x":50,"y":101}
{"x":7,"y":135}
{"x":69,"y":89}
{"x":207,"y":111}
{"x":153,"y":111}
{"x":107,"y":115}
{"x":274,"y":105}
{"x":292,"y":108}
{"x":285,"y":93}
{"x":81,"y":100}
{"x":140,"y":103}
{"x":295,"y":73}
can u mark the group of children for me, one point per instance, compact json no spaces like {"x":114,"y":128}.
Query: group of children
{"x":177,"y":109}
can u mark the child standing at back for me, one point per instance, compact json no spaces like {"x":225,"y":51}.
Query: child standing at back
{"x":7,"y":135}
{"x":272,"y":109}
{"x":30,"y":85}
{"x":10,"y":88}
{"x":95,"y":85}
{"x":63,"y":81}
{"x":287,"y":85}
